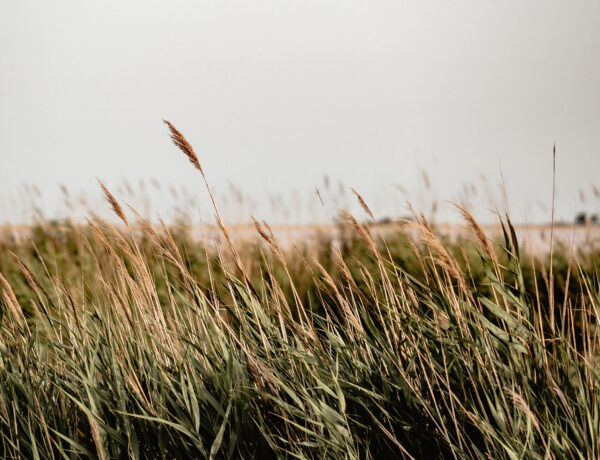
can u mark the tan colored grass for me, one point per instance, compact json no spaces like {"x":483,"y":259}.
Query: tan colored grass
{"x":483,"y":239}
{"x":364,"y":234}
{"x":188,"y":151}
{"x":11,"y":300}
{"x":363,"y":204}
{"x":184,"y":145}
{"x":114,"y":203}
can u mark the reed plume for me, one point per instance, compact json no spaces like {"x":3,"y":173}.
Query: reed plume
{"x":184,"y":146}
{"x":114,"y":203}
{"x":363,"y":204}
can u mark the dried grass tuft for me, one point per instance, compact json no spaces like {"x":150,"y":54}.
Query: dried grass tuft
{"x":184,"y":145}
{"x":114,"y":203}
{"x":363,"y":204}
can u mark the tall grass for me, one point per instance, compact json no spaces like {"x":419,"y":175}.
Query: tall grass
{"x":134,"y":341}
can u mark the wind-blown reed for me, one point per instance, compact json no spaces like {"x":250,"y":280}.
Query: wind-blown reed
{"x":143,"y":343}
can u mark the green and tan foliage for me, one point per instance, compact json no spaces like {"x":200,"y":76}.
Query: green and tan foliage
{"x":134,"y":341}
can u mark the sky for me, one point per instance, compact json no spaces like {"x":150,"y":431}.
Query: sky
{"x":274,"y":95}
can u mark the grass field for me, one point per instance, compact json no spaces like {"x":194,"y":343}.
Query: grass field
{"x":130,"y":340}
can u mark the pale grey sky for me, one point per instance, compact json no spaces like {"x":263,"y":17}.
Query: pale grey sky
{"x":275,"y":94}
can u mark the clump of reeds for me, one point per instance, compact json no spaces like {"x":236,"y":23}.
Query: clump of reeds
{"x":150,"y":344}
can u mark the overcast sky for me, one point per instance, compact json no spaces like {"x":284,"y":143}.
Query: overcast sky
{"x":275,"y":94}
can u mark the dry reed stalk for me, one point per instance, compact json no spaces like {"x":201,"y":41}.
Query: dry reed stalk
{"x":522,"y":405}
{"x":489,"y":250}
{"x":551,"y":276}
{"x":364,"y":234}
{"x":131,"y":379}
{"x":114,"y":203}
{"x":319,"y":196}
{"x":106,"y":243}
{"x":154,"y":236}
{"x":279,"y":300}
{"x":483,"y":239}
{"x":36,"y":285}
{"x":143,"y":283}
{"x":432,"y":242}
{"x":11,"y":300}
{"x":171,"y":253}
{"x":184,"y":146}
{"x":351,"y":316}
{"x":171,"y":241}
{"x":143,"y":289}
{"x":96,"y":436}
{"x":270,"y":239}
{"x":122,"y":273}
{"x":363,"y":204}
{"x":188,"y":151}
{"x":343,"y":269}
{"x":66,"y":294}
{"x":370,"y":282}
{"x":272,"y":242}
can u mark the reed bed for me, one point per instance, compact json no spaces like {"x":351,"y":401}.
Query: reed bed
{"x":132,"y":341}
